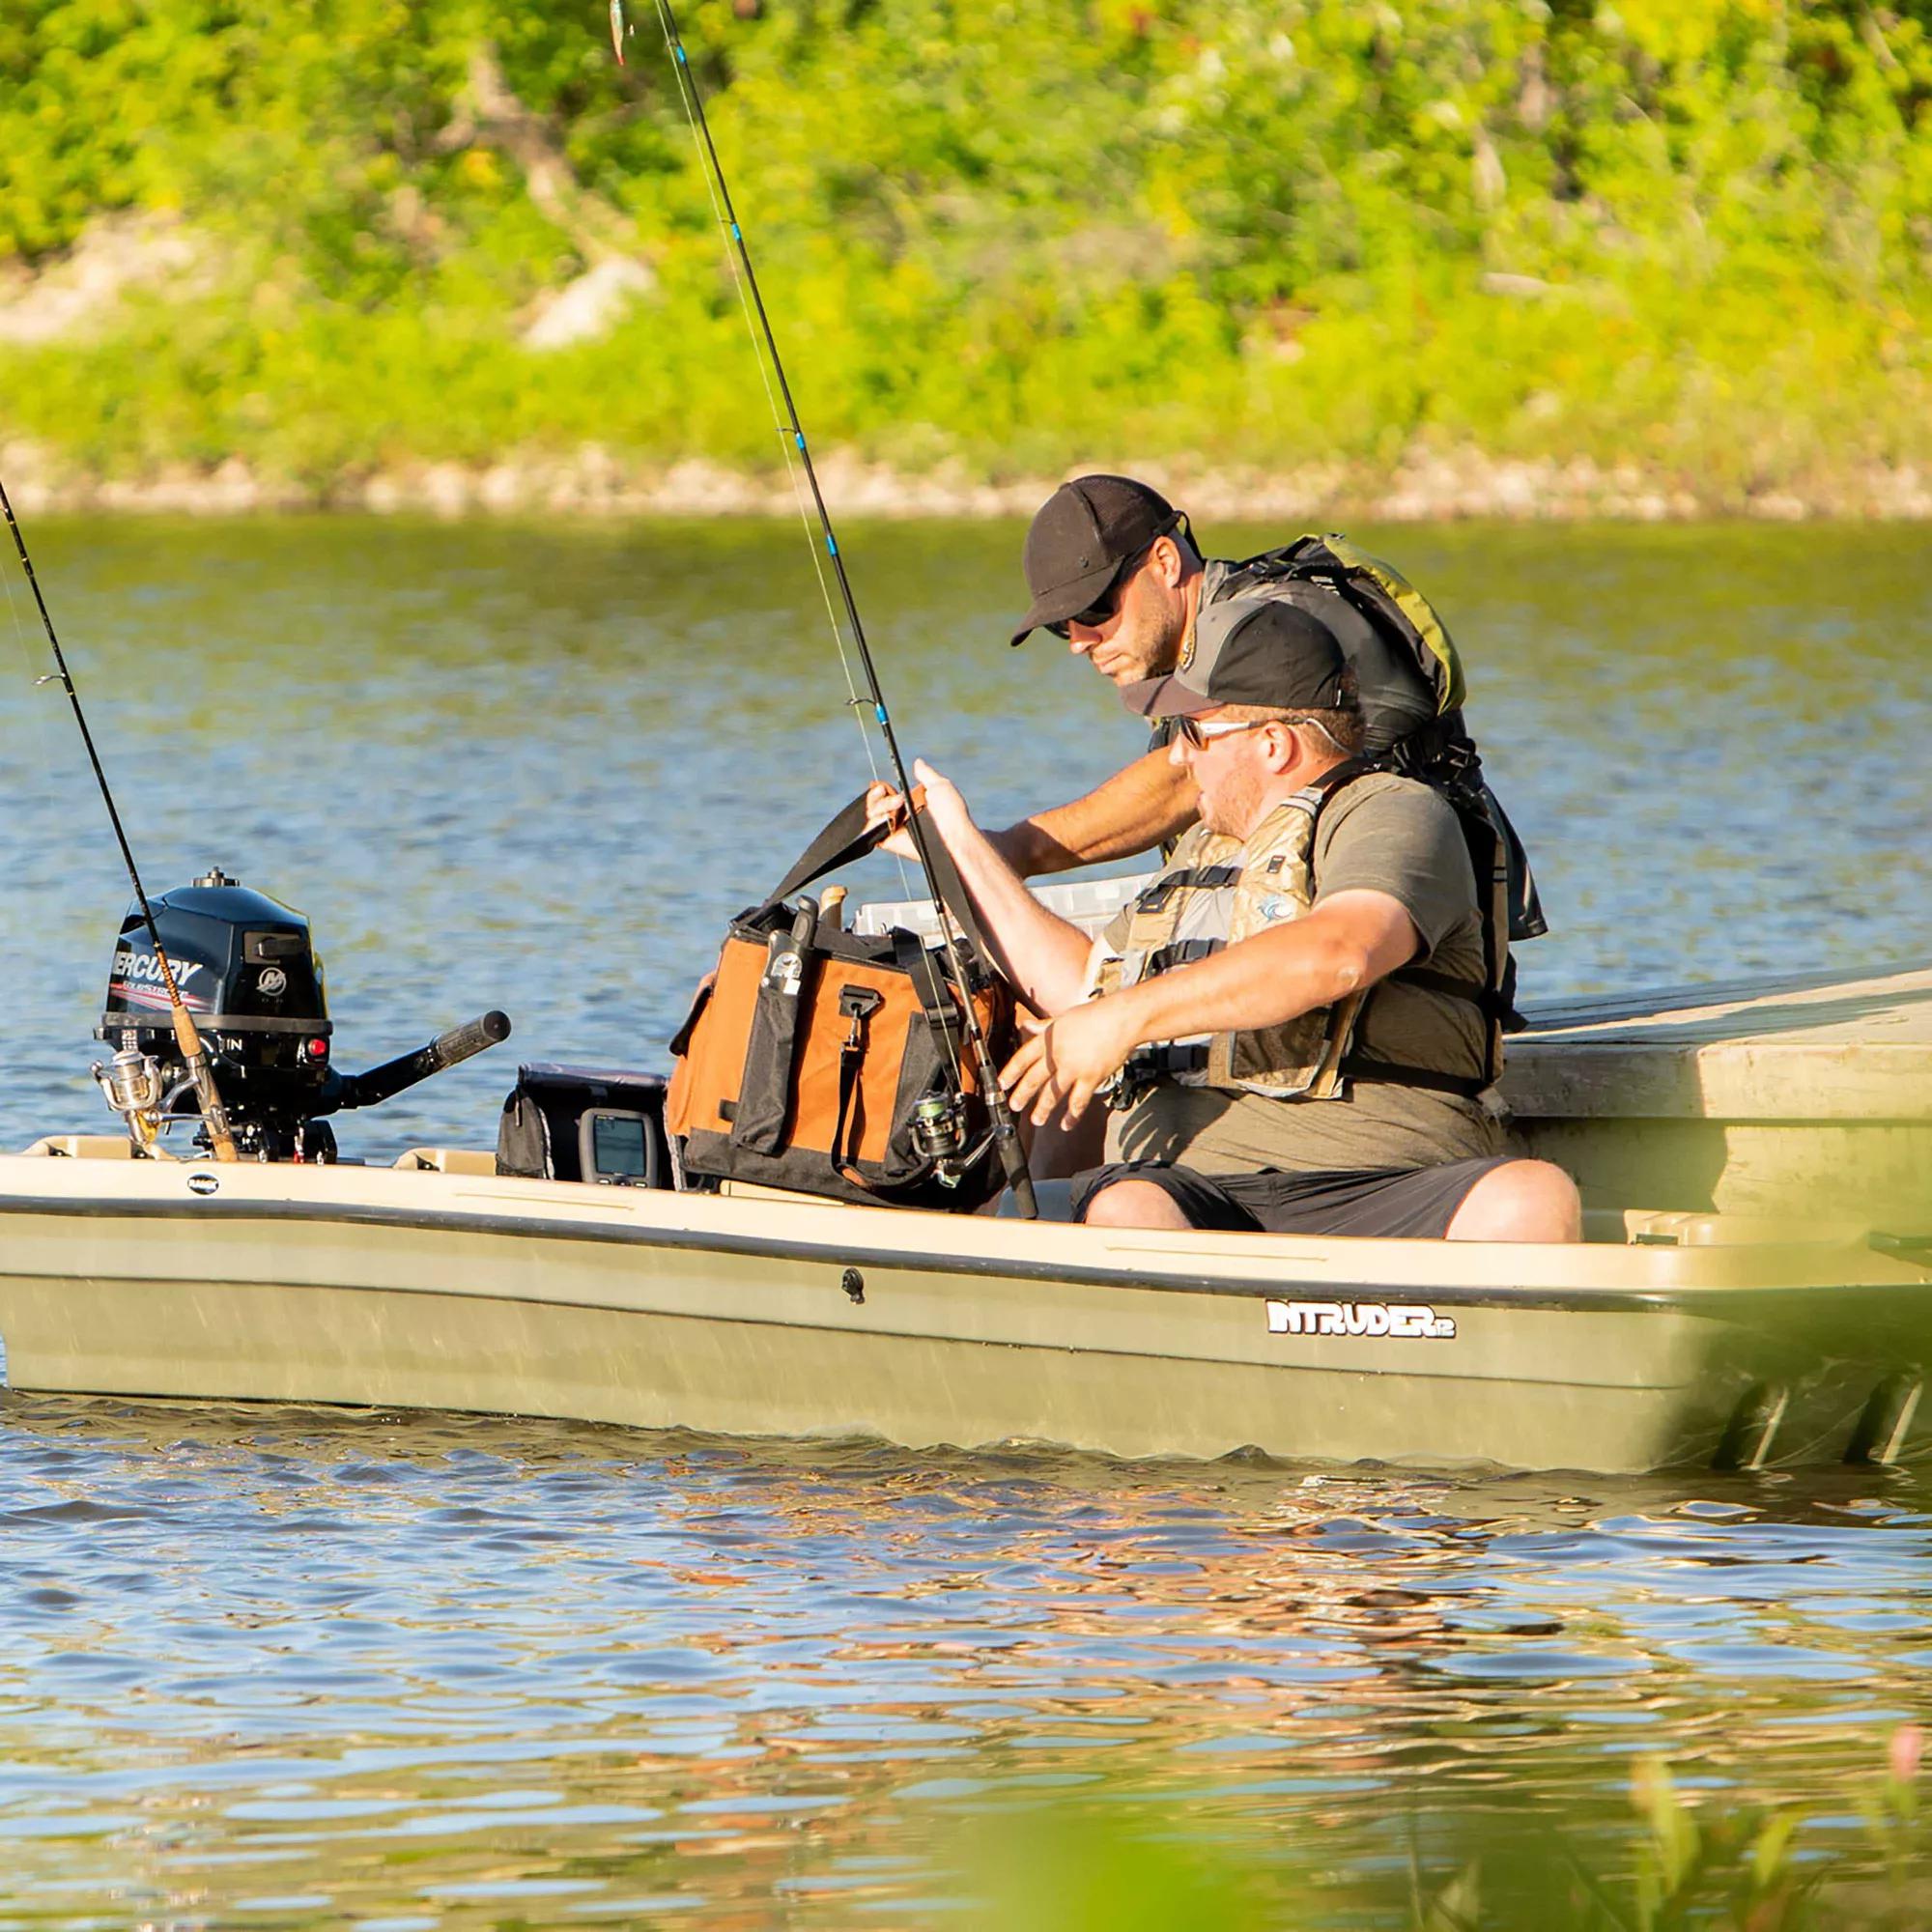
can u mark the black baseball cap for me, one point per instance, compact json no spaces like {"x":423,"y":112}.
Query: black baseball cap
{"x":1080,"y":537}
{"x":1250,"y":650}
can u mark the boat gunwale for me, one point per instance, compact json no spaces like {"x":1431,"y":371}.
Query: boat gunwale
{"x":1727,"y":1301}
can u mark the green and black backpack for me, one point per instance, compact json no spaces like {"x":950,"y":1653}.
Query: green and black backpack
{"x":1412,"y":687}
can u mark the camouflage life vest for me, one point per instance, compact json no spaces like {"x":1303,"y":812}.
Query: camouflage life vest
{"x":1218,"y":890}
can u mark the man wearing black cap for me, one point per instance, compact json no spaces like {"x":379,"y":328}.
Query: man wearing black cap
{"x":1114,"y":571}
{"x":1288,"y":1022}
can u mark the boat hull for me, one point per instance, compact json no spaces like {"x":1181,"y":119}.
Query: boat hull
{"x":422,"y":1290}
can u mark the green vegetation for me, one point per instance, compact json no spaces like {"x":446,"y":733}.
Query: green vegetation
{"x":1666,"y":1863}
{"x":1689,"y":235}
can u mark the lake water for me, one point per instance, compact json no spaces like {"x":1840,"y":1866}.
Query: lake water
{"x":288,"y":1668}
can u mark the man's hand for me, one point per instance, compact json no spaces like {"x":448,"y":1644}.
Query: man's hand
{"x":1043,"y":956}
{"x":1064,"y":1065}
{"x":937,"y":797}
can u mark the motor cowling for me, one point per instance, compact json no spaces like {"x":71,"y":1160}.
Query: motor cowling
{"x":247,"y":970}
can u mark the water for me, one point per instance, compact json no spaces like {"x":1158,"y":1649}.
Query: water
{"x":538,"y":766}
{"x":288,"y":1668}
{"x":284,"y":1666}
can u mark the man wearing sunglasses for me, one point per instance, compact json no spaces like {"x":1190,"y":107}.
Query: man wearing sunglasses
{"x":1288,"y":1023}
{"x":1115,"y":573}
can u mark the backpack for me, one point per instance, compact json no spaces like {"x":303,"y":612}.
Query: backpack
{"x":1412,"y":690}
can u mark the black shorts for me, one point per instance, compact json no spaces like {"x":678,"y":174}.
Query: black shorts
{"x":1406,"y":1202}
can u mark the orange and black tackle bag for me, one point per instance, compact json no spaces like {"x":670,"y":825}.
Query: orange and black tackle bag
{"x":805,"y":1058}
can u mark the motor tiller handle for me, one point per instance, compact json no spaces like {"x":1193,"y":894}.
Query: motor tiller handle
{"x":445,"y":1050}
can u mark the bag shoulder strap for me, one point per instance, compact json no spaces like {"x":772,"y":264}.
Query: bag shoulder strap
{"x":1338,"y":778}
{"x":844,"y":837}
{"x":847,"y":837}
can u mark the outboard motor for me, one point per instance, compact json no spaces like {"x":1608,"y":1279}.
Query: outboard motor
{"x":246,"y":971}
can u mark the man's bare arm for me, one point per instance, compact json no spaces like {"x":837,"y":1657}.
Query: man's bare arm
{"x":1041,"y":953}
{"x":1343,"y":947}
{"x":1151,"y":799}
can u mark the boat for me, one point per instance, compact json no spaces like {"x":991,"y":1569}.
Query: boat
{"x":1755,"y":1288}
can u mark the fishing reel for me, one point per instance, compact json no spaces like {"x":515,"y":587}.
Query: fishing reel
{"x":131,"y":1086}
{"x":940,"y":1134}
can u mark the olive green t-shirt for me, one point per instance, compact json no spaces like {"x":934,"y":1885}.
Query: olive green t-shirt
{"x":1389,"y":834}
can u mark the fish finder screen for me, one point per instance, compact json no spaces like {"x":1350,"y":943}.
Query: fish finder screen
{"x":617,"y":1144}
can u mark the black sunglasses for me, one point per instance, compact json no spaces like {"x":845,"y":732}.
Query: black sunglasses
{"x":1201,"y":735}
{"x":1102,"y":608}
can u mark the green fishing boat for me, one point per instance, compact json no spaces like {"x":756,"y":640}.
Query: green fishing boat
{"x":1756,"y":1288}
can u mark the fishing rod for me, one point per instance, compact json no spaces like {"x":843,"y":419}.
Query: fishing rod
{"x":194,"y":1055}
{"x":1006,"y":1135}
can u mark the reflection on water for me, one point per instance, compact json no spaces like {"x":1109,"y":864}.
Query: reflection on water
{"x":282,"y":1666}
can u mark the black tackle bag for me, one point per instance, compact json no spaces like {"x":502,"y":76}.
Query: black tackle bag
{"x":584,"y":1123}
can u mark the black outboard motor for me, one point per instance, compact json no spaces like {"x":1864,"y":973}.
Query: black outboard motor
{"x":247,"y":972}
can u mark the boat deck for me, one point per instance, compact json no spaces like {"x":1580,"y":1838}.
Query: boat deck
{"x":1808,"y":1093}
{"x":1806,"y":1047}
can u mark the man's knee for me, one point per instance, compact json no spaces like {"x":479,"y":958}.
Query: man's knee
{"x":1134,"y":1203}
{"x":1520,"y":1200}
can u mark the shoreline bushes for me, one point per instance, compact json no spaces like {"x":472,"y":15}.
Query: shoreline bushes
{"x":1687,"y":236}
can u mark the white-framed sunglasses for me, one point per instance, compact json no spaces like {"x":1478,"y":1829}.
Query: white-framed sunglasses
{"x":1198,"y":734}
